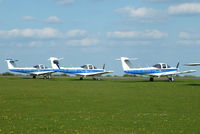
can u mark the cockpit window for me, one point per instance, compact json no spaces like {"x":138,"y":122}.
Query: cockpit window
{"x":157,"y":66}
{"x":90,"y":67}
{"x":37,"y":66}
{"x":84,"y":66}
{"x":40,"y":66}
{"x":164,"y":66}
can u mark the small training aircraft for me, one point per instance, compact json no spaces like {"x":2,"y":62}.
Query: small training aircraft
{"x":83,"y":71}
{"x":34,"y":71}
{"x":158,"y":70}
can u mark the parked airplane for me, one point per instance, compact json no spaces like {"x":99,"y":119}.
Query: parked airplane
{"x":158,"y":70}
{"x":83,"y":71}
{"x":34,"y":71}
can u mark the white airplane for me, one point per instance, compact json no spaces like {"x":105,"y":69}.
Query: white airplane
{"x":83,"y":71}
{"x":158,"y":70}
{"x":34,"y":71}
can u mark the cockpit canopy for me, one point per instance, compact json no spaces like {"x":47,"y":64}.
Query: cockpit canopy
{"x":161,"y":66}
{"x":88,"y":66}
{"x":40,"y":66}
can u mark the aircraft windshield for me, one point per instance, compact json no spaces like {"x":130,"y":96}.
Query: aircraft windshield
{"x":40,"y":67}
{"x":84,"y":66}
{"x":164,"y":65}
{"x":157,"y":66}
{"x":168,"y":66}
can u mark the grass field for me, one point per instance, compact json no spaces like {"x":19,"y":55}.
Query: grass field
{"x":110,"y":106}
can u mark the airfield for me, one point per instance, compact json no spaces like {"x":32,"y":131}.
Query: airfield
{"x":109,"y":106}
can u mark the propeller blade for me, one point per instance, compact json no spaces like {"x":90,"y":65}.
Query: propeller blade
{"x":104,"y":66}
{"x":177,"y":65}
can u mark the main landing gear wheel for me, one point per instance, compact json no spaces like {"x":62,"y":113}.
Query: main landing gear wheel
{"x":81,"y":78}
{"x":151,"y":79}
{"x":171,"y":79}
{"x":34,"y":77}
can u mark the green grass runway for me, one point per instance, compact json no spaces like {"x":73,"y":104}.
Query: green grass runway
{"x":109,"y":106}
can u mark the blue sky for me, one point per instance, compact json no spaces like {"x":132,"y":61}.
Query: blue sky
{"x":99,"y":31}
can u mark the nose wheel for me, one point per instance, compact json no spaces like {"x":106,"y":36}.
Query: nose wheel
{"x":151,"y":79}
{"x":171,"y":79}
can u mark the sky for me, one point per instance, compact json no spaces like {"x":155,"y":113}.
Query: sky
{"x":100,"y":31}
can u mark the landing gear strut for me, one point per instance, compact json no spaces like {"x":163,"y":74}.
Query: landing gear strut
{"x":171,"y":79}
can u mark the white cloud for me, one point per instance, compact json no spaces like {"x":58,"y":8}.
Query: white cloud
{"x":143,"y":14}
{"x":186,"y":8}
{"x":52,"y":19}
{"x":76,"y":33}
{"x":130,"y":43}
{"x":140,"y":12}
{"x":189,"y":35}
{"x":189,"y":38}
{"x":42,"y":33}
{"x":83,"y":42}
{"x":30,"y":33}
{"x":28,"y":18}
{"x":188,"y":42}
{"x":152,"y":34}
{"x":65,"y":2}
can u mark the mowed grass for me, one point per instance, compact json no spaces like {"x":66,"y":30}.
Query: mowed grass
{"x":109,"y":106}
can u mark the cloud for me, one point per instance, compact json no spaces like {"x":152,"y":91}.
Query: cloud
{"x":83,"y":42}
{"x":140,"y":12}
{"x":30,"y":33}
{"x":28,"y":18}
{"x":76,"y":33}
{"x":189,"y":35}
{"x":188,"y":42}
{"x":186,"y":8}
{"x":53,"y":19}
{"x":189,"y":38}
{"x":42,"y":33}
{"x":65,"y":2}
{"x":143,"y":14}
{"x":147,"y":34}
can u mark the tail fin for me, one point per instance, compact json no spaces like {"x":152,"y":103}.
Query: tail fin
{"x":126,"y":64}
{"x":55,"y":62}
{"x":11,"y":63}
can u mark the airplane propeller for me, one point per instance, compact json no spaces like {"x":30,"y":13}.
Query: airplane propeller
{"x":104,"y":66}
{"x":177,"y":65}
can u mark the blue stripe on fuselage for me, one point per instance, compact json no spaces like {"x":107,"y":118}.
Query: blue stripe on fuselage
{"x":79,"y":71}
{"x":30,"y":70}
{"x":150,"y":71}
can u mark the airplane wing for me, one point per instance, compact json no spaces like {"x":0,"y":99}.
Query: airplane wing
{"x":193,"y":64}
{"x":95,"y":73}
{"x":42,"y":73}
{"x":173,"y":73}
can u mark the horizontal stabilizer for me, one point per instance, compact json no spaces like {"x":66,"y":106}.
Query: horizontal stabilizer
{"x":193,"y":64}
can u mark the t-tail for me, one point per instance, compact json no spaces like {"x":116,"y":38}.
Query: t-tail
{"x":11,"y":63}
{"x":55,"y":62}
{"x":126,"y":63}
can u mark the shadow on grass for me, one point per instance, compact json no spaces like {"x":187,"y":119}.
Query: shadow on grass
{"x":192,"y":84}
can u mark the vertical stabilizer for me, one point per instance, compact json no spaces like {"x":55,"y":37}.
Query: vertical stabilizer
{"x":11,"y":63}
{"x":126,"y":64}
{"x":55,"y":62}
